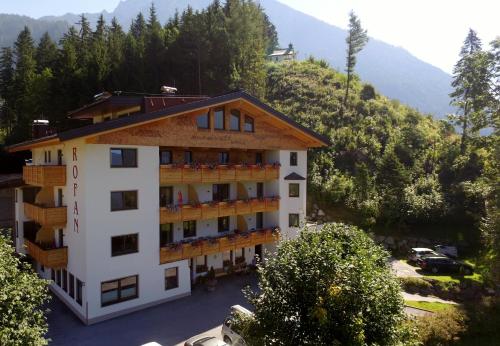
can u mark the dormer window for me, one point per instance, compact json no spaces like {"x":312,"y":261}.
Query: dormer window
{"x":249,"y":124}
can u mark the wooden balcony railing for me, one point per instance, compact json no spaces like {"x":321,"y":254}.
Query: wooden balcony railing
{"x":46,"y":216}
{"x":212,"y":210}
{"x":212,"y":245}
{"x":44,"y":175}
{"x":189,"y":174}
{"x":51,"y":258}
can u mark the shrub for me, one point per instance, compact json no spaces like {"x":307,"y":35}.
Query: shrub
{"x":415,"y":285}
{"x":442,"y":327}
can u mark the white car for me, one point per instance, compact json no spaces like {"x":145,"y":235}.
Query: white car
{"x":204,"y":341}
{"x":229,"y":335}
{"x":417,"y":252}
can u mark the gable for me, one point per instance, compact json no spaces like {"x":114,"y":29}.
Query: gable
{"x":181,"y":130}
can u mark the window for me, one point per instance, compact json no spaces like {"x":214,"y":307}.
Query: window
{"x":234,"y":121}
{"x":166,"y":234}
{"x":123,"y":200}
{"x":79,"y":291}
{"x":59,"y":157}
{"x":124,"y":244}
{"x":239,"y":255}
{"x":223,"y":224}
{"x":188,"y":157}
{"x":165,"y":157}
{"x":71,"y":285}
{"x":223,"y":158}
{"x":65,"y":280}
{"x":258,"y":158}
{"x":227,"y":258}
{"x":249,"y":126}
{"x":189,"y":228}
{"x":220,"y":192}
{"x":293,"y":190}
{"x":123,"y":157}
{"x":219,"y":119}
{"x":201,"y":264}
{"x":166,"y":196}
{"x":259,"y":222}
{"x":202,"y":121}
{"x":120,"y":290}
{"x":293,"y":158}
{"x":58,"y":278}
{"x":171,"y":278}
{"x":293,"y":220}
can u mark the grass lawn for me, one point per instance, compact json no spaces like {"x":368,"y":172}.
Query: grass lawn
{"x":476,"y":277}
{"x":430,"y":306}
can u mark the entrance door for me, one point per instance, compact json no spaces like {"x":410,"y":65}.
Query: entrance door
{"x":259,"y":222}
{"x":260,"y":190}
{"x":59,"y":197}
{"x":60,"y":236}
{"x":258,"y":251}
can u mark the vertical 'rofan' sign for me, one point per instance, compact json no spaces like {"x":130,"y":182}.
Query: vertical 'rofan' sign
{"x":75,"y":189}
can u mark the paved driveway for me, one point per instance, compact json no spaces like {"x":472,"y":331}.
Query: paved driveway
{"x":403,"y":269}
{"x":167,"y":324}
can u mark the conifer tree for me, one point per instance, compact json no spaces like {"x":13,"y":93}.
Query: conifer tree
{"x":46,"y":53}
{"x":356,"y":40}
{"x":471,"y":83}
{"x":116,"y":47}
{"x":99,"y":65}
{"x":6,"y":97}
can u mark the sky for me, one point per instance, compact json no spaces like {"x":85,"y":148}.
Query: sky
{"x":432,"y":30}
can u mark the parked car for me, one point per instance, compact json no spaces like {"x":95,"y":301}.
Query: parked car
{"x":229,"y":334}
{"x":447,"y":250}
{"x":417,"y":252}
{"x":443,"y":264}
{"x":204,"y":341}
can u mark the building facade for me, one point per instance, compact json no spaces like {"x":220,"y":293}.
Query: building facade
{"x":126,"y":213}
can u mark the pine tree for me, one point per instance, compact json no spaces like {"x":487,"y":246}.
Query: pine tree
{"x":495,"y":84}
{"x":154,"y":52}
{"x":356,"y":40}
{"x":46,"y":53}
{"x":25,"y":72}
{"x":6,"y":97}
{"x":99,"y":65}
{"x":116,"y":47}
{"x":471,"y":83}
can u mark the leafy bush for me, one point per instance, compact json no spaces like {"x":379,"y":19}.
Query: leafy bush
{"x":442,"y":327}
{"x":328,"y":287}
{"x":415,"y":285}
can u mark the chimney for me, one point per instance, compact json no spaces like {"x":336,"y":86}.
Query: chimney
{"x":168,"y":90}
{"x":40,"y":128}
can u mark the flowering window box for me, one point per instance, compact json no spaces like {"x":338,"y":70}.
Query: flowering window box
{"x":170,"y":214}
{"x":258,"y":172}
{"x":272,"y":171}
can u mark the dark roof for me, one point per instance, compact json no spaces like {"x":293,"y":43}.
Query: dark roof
{"x":142,"y":117}
{"x":11,"y":180}
{"x":294,"y":176}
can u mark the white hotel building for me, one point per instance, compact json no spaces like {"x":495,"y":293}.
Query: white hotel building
{"x":128,"y":211}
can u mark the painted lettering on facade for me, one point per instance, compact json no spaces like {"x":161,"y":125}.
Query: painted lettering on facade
{"x":74,"y":169}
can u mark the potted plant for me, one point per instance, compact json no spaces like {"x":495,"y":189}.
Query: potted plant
{"x":211,"y":280}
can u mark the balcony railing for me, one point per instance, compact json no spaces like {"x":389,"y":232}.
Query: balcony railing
{"x":212,"y":210}
{"x":41,"y":175}
{"x":51,"y":258}
{"x":212,"y":245}
{"x":46,"y":216}
{"x":189,"y":174}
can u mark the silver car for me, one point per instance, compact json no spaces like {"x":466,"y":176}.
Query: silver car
{"x":417,"y":252}
{"x":205,"y":341}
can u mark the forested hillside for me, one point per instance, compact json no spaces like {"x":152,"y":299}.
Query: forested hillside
{"x":389,"y":165}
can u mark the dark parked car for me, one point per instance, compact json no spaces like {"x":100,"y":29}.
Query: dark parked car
{"x":442,"y":264}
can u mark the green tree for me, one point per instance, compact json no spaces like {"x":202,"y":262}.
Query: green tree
{"x":328,"y":287}
{"x":471,"y":83}
{"x":46,"y":53}
{"x":356,"y":40}
{"x":22,"y":296}
{"x":6,"y":83}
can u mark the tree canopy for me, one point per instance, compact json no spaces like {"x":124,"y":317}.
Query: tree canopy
{"x":22,"y":296}
{"x":328,"y":287}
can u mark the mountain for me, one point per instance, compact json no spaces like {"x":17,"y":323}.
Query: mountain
{"x":12,"y":24}
{"x":392,"y":70}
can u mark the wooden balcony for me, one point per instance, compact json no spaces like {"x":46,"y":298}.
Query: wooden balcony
{"x":191,"y":174}
{"x":46,"y":216}
{"x":51,"y":258}
{"x":201,"y":247}
{"x":44,"y":175}
{"x":212,"y":210}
